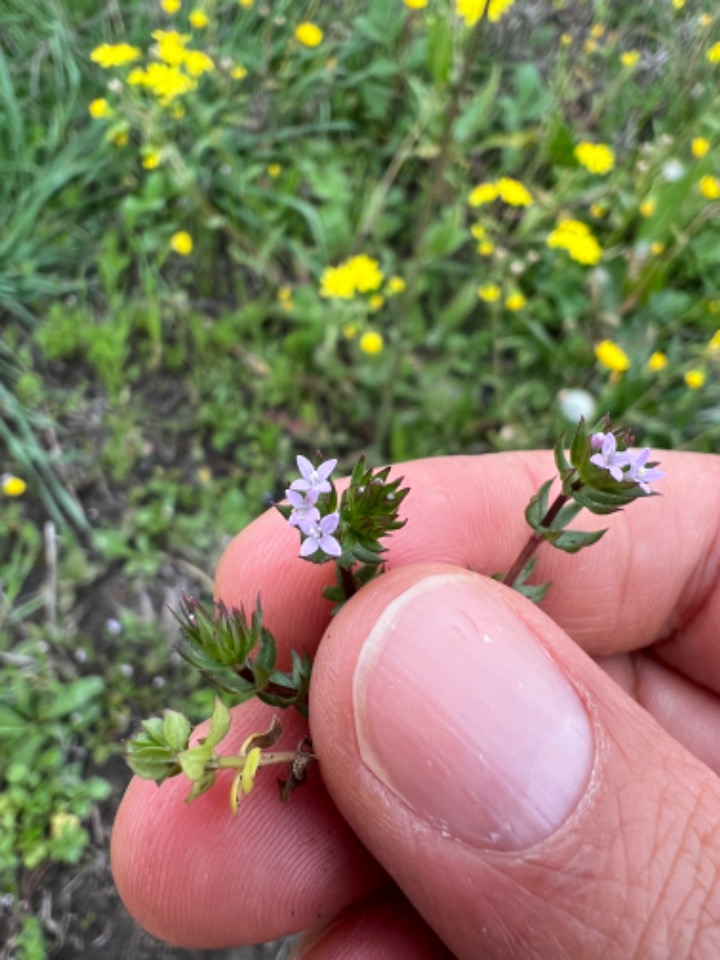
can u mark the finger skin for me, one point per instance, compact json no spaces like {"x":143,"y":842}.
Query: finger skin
{"x":197,"y":876}
{"x":656,"y":568}
{"x":381,"y":927}
{"x":631,"y":873}
{"x":651,"y":579}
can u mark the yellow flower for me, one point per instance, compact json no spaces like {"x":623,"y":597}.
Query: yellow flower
{"x":714,"y":346}
{"x":164,"y":81}
{"x":565,"y":39}
{"x":119,"y":137}
{"x":710,"y":187}
{"x":490,"y":292}
{"x":705,"y":19}
{"x":371,"y":342}
{"x":416,"y":4}
{"x":395,"y":285}
{"x":99,"y":108}
{"x":597,"y":31}
{"x":308,"y":34}
{"x":360,"y":274}
{"x":483,"y":193}
{"x":170,"y":6}
{"x":472,"y":10}
{"x":612,"y":356}
{"x":590,"y":46}
{"x":114,"y":55}
{"x":152,"y":159}
{"x":350,"y":331}
{"x":486,"y":248}
{"x":337,"y":282}
{"x":170,"y":46}
{"x":284,"y":295}
{"x":197,"y":62}
{"x":274,"y":170}
{"x":513,"y":192}
{"x":182,"y":243}
{"x":598,"y":210}
{"x":699,"y":146}
{"x":595,"y":157}
{"x":246,"y":3}
{"x":647,"y":208}
{"x":656,"y":248}
{"x":478,"y":231}
{"x":12,"y":486}
{"x":366,"y":273}
{"x":515,"y":302}
{"x":238,"y":72}
{"x":199,"y":19}
{"x":678,"y":4}
{"x":577,"y":239}
{"x":695,"y":379}
{"x":713,"y":54}
{"x":657,"y":361}
{"x":630,"y":58}
{"x":376,"y":301}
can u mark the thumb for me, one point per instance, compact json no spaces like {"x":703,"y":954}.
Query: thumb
{"x":526,"y":806}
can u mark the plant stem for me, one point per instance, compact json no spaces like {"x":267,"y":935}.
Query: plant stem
{"x":267,"y":757}
{"x":275,"y":689}
{"x":534,"y":541}
{"x":348,"y":583}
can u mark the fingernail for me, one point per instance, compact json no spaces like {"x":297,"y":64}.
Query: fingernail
{"x":462,"y":713}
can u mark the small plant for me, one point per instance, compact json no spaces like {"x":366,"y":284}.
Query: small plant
{"x":237,"y":653}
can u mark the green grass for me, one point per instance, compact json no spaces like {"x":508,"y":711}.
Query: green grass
{"x":154,"y":402}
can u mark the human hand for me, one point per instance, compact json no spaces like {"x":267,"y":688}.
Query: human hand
{"x":519,"y":800}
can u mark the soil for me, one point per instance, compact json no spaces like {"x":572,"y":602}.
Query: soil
{"x":78,"y":906}
{"x":82,"y":915}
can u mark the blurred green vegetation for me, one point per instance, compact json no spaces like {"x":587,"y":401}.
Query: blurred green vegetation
{"x":175,"y":328}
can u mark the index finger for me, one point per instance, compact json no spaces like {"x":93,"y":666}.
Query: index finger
{"x":651,"y":579}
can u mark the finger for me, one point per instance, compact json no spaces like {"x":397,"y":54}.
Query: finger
{"x":194,"y":875}
{"x":653,"y":577}
{"x":382,"y":927}
{"x":524,"y":804}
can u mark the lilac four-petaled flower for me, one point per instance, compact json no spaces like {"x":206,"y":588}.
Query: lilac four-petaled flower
{"x":643,"y":475}
{"x":613,"y":460}
{"x":319,"y":536}
{"x":304,"y":511}
{"x":303,"y":495}
{"x":610,"y":458}
{"x":313,"y":478}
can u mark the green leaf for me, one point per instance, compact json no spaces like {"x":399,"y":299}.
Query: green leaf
{"x":194,"y":761}
{"x":149,"y":755}
{"x":440,"y":49}
{"x":572,"y":541}
{"x":12,"y":724}
{"x":538,"y":506}
{"x":74,"y":697}
{"x":201,"y":786}
{"x":565,"y":468}
{"x":565,"y":515}
{"x":176,"y":729}
{"x":534,"y":593}
{"x":219,"y":724}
